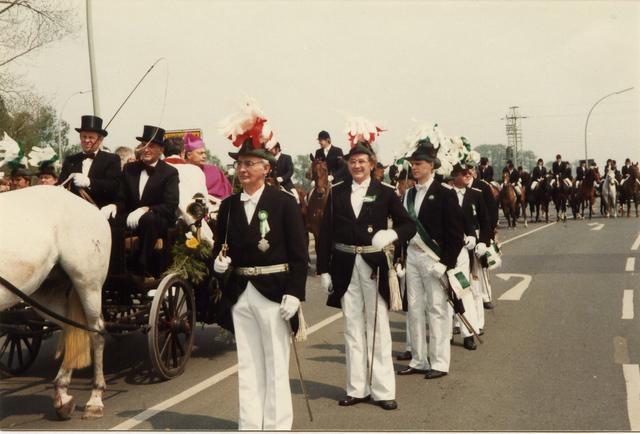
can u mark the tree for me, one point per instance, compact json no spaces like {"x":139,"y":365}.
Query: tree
{"x":25,"y":26}
{"x":300,"y":168}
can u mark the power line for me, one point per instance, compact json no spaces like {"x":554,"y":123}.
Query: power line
{"x":513,"y":129}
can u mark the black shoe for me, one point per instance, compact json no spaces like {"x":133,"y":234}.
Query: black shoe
{"x":404,"y":356}
{"x":350,"y":400}
{"x":434,"y":373}
{"x":456,"y":330}
{"x":409,"y":370}
{"x":469,"y":343}
{"x":488,"y":305}
{"x":389,"y":404}
{"x":480,"y":332}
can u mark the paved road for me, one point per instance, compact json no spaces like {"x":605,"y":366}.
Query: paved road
{"x":553,"y":360}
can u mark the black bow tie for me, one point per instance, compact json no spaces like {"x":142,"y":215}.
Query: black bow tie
{"x":150,"y":169}
{"x":86,"y":155}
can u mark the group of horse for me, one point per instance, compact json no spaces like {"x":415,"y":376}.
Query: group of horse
{"x":615,"y":193}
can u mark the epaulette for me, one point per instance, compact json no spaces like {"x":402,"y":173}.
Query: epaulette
{"x":337,"y":184}
{"x":476,"y":189}
{"x":445,"y":185}
{"x":284,"y":190}
{"x":388,"y":185}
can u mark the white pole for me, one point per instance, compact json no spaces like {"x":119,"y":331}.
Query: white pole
{"x":92,"y":63}
{"x":80,"y":92}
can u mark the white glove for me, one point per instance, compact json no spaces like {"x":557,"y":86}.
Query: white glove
{"x":481,"y":250}
{"x":438,"y":269}
{"x":325,"y":283}
{"x":383,"y":238}
{"x":330,"y":177}
{"x":134,"y":217}
{"x":221,"y":264}
{"x":279,"y":179}
{"x":400,"y":271}
{"x":289,"y":306}
{"x":109,"y":211}
{"x":81,"y":180}
{"x":469,"y":242}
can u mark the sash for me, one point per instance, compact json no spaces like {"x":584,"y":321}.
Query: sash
{"x":422,"y":232}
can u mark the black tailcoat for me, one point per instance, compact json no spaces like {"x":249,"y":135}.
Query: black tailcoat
{"x":104,"y":174}
{"x":538,"y":173}
{"x":287,"y":244}
{"x":475,"y":216}
{"x":486,"y":174}
{"x":284,"y":170}
{"x":490,"y":203}
{"x":340,"y":225}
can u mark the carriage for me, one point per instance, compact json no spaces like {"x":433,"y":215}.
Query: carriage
{"x":165,"y":309}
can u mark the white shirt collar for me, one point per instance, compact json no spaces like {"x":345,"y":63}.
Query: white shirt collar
{"x":244,"y":196}
{"x":363,"y":185}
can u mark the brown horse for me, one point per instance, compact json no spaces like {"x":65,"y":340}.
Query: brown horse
{"x":507,"y":200}
{"x":378,"y":172}
{"x":302,"y":195}
{"x":587,"y":191}
{"x":631,"y":189}
{"x":318,"y":196}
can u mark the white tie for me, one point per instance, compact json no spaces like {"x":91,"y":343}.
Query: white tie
{"x":460,"y":192}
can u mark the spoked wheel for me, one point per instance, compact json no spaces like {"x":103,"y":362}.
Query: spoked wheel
{"x":171,"y":326}
{"x":18,"y":350}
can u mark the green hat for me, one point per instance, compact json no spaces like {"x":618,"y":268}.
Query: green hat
{"x":426,"y":152}
{"x":248,"y":149}
{"x":362,"y":147}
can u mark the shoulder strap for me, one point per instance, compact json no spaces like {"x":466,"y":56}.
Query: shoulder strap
{"x":422,"y":232}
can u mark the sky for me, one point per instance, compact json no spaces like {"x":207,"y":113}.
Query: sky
{"x":311,"y":64}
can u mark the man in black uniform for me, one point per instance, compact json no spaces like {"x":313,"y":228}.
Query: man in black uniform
{"x":581,"y":171}
{"x":96,"y":171}
{"x":556,"y":167}
{"x":514,"y":178}
{"x":333,"y":156}
{"x":283,"y":169}
{"x":148,"y":199}
{"x":262,"y":241}
{"x":538,"y":174}
{"x":354,"y":272}
{"x":485,"y":171}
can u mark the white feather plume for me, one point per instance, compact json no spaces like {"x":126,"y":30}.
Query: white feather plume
{"x":370,"y":130}
{"x":38,"y":155}
{"x":239,"y":122}
{"x":9,"y":150}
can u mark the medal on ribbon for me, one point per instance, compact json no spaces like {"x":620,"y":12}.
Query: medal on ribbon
{"x":263,"y":244}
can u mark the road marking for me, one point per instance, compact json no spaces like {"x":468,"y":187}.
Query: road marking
{"x":627,"y":304}
{"x":632,"y":381}
{"x":620,"y":350}
{"x":193,"y":390}
{"x":596,"y":226}
{"x":636,"y":243}
{"x":527,"y":233}
{"x":630,"y":265}
{"x":515,"y":293}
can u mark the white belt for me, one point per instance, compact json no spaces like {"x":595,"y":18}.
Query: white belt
{"x":257,"y":271}
{"x":355,"y":250}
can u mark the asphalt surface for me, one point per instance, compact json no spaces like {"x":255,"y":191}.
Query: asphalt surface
{"x":552,"y":360}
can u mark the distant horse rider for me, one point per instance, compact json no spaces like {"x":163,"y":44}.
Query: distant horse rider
{"x":332,"y":155}
{"x":283,"y":170}
{"x":538,"y":174}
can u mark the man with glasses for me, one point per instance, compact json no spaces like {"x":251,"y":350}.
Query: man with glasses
{"x":261,"y":243}
{"x":94,"y":170}
{"x":354,"y":273}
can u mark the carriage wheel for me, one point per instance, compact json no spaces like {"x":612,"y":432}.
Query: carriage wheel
{"x":18,"y":351}
{"x":171,"y":326}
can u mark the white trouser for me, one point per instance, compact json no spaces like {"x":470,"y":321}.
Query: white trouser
{"x":359,"y":306}
{"x":485,"y":286}
{"x":567,"y":181}
{"x":427,"y":298}
{"x":534,"y":184}
{"x":467,"y":299}
{"x":476,"y":289}
{"x":262,"y":339}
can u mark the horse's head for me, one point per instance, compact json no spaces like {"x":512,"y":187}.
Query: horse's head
{"x":320,"y":175}
{"x":505,"y":176}
{"x":378,"y":172}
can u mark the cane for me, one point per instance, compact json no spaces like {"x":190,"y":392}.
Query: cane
{"x":375,"y":326}
{"x":461,"y":316}
{"x":302,"y":385}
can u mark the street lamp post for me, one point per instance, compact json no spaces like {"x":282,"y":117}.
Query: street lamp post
{"x":80,"y":92}
{"x":587,"y":122}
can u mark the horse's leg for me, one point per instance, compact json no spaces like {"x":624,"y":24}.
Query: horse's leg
{"x":94,"y":407}
{"x":63,"y":403}
{"x":524,"y":213}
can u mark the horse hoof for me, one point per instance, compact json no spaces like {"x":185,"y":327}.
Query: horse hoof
{"x":65,"y":411}
{"x":93,"y":412}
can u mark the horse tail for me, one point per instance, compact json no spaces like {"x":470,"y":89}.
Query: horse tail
{"x":75,"y":342}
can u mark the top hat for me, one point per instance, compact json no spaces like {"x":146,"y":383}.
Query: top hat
{"x":152,"y":134}
{"x":247,"y":148}
{"x":323,"y":135}
{"x":93,"y":124}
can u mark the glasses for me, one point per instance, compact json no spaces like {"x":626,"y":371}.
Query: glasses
{"x":245,"y":163}
{"x":359,"y":162}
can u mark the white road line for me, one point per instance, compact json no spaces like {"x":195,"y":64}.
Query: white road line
{"x":632,"y":381}
{"x":193,"y":390}
{"x":630,"y":265}
{"x":627,"y":304}
{"x":636,"y":243}
{"x":597,"y":227}
{"x":526,"y":233}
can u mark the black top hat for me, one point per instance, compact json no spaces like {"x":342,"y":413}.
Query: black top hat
{"x":323,"y":135}
{"x":47,"y":169}
{"x":248,"y":149}
{"x":362,"y":147}
{"x":426,"y":152}
{"x":93,"y":124}
{"x":152,"y":134}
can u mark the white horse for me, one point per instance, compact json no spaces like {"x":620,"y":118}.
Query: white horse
{"x":55,"y":248}
{"x":609,"y":194}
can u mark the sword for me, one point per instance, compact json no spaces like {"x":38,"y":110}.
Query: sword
{"x":302,"y":385}
{"x":461,"y":316}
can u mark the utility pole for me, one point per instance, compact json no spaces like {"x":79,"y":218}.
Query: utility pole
{"x":92,"y":62}
{"x":513,"y":129}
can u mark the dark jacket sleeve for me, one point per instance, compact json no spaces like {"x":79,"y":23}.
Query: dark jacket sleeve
{"x":325,"y":237}
{"x":483,"y":221}
{"x":297,"y":252}
{"x":171,"y":196}
{"x":453,"y":225}
{"x":287,"y":173}
{"x":108,"y":186}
